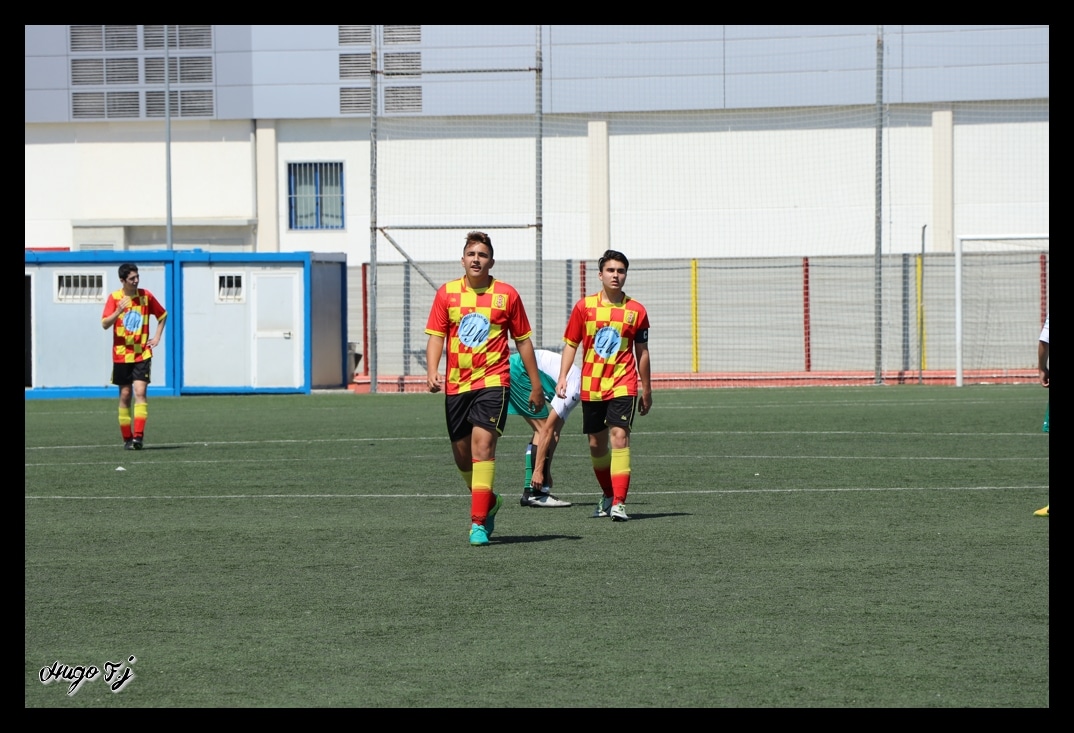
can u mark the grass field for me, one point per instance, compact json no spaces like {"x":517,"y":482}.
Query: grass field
{"x":810,"y":547}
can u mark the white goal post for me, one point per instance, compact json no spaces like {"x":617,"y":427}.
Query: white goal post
{"x":984,"y":243}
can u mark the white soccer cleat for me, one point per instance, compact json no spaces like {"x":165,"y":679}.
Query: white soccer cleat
{"x":619,"y":514}
{"x":547,"y":500}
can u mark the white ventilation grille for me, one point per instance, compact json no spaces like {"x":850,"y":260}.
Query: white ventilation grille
{"x":183,"y":103}
{"x":354,"y":66}
{"x":87,"y":71}
{"x":402,"y":99}
{"x":104,"y":38}
{"x":82,"y":287}
{"x":95,"y":63}
{"x":355,"y":35}
{"x":154,"y":70}
{"x":104,"y":105}
{"x":182,"y":70}
{"x":196,"y":103}
{"x":121,"y":104}
{"x":98,"y":71}
{"x":179,"y":36}
{"x":398,"y":65}
{"x":87,"y":105}
{"x":121,"y":38}
{"x":354,"y":100}
{"x":121,"y":71}
{"x":402,"y":34}
{"x":87,"y":37}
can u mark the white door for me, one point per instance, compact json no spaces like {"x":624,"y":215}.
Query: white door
{"x":278,"y":338}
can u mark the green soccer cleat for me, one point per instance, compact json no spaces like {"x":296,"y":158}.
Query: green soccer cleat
{"x":479,"y":537}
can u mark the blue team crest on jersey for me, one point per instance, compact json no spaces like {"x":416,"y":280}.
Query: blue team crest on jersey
{"x":132,"y":321}
{"x":606,"y":342}
{"x":473,"y":329}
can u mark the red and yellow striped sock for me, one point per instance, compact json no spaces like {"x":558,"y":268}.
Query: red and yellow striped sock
{"x":602,"y":468}
{"x":125,"y":423}
{"x":481,"y":496}
{"x":620,"y":470}
{"x":141,"y":412}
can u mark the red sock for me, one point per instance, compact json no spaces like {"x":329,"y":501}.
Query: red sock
{"x":602,"y":468}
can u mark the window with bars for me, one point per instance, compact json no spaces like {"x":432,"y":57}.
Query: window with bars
{"x":229,"y":288}
{"x":315,"y":195}
{"x":80,"y":287}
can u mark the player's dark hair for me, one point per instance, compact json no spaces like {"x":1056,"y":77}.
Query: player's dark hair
{"x":126,"y":269}
{"x":611,"y":254}
{"x":481,"y":237}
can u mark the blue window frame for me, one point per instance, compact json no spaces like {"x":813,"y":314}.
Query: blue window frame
{"x":315,"y":195}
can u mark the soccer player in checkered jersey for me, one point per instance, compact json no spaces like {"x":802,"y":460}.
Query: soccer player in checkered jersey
{"x":127,"y":312}
{"x":476,"y":315}
{"x":613,"y":331}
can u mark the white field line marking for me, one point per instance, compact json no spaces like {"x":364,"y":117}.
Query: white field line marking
{"x":700,"y":460}
{"x":643,"y":493}
{"x":442,"y":438}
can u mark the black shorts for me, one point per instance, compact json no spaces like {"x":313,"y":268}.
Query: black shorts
{"x":125,"y":374}
{"x":486,"y":407}
{"x":598,"y":416}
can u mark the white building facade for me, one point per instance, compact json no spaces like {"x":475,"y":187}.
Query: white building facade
{"x":386,"y":143}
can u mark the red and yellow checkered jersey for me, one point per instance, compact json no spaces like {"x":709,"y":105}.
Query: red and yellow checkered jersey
{"x":476,"y":325}
{"x":606,"y":335}
{"x":130,"y":332}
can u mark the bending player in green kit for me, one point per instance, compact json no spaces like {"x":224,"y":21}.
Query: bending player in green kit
{"x":547,"y":422}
